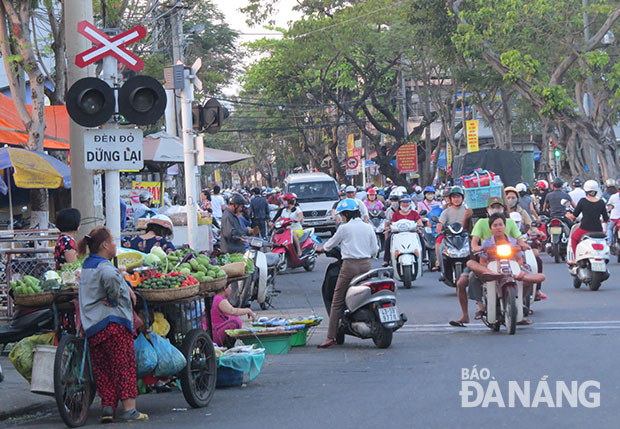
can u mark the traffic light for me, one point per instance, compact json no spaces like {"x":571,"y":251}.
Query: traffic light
{"x":91,"y":102}
{"x":557,"y":153}
{"x":209,"y":117}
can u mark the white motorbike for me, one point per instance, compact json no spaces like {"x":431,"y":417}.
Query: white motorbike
{"x":406,"y":251}
{"x":591,"y":259}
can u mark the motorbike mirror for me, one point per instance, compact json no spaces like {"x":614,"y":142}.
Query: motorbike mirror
{"x":423,"y":213}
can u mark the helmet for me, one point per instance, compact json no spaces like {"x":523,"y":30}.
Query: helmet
{"x":456,"y":190}
{"x":145,"y":196}
{"x":557,"y":182}
{"x":511,"y":189}
{"x":542,"y":185}
{"x":521,"y":187}
{"x":347,"y":205}
{"x":578,"y":182}
{"x":590,"y":186}
{"x":161,"y":220}
{"x":372,"y":191}
{"x":516,"y":216}
{"x":350,"y":188}
{"x":429,"y":189}
{"x":237,"y":200}
{"x":269,"y":191}
{"x":289,"y":197}
{"x":610,"y":182}
{"x":404,"y":199}
{"x":395,"y":194}
{"x":417,"y":189}
{"x":402,"y":189}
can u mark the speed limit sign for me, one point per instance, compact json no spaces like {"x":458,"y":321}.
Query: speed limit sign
{"x":352,"y":163}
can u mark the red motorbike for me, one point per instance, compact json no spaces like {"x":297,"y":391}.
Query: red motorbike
{"x":284,"y":247}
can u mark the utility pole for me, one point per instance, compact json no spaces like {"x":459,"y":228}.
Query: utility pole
{"x":189,"y":152}
{"x":176,"y":29}
{"x":86,"y":186}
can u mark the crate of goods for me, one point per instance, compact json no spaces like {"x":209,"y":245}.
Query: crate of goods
{"x":228,"y":377}
{"x":275,"y":344}
{"x":478,"y":179}
{"x":477,"y":198}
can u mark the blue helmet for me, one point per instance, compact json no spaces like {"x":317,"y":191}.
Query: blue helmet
{"x":429,"y":189}
{"x":347,"y":205}
{"x":404,"y":199}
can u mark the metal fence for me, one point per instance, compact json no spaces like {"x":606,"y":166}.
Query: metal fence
{"x":27,"y":252}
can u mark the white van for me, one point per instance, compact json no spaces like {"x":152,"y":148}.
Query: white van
{"x":316,"y":194}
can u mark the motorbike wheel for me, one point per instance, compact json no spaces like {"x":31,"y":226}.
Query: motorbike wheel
{"x":595,"y":282}
{"x":618,"y":252}
{"x":576,"y":282}
{"x":510,"y":317}
{"x":283,"y":266}
{"x":340,"y":338}
{"x":432,"y":259}
{"x":383,"y":338}
{"x":310,"y":266}
{"x":407,"y":276}
{"x":556,"y":253}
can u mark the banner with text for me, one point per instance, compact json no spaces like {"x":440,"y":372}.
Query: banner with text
{"x":407,"y":158}
{"x":472,"y":135}
{"x":152,"y":187}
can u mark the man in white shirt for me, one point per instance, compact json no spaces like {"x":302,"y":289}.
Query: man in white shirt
{"x":217,"y":203}
{"x":614,"y":201}
{"x":358,"y":244}
{"x":350,"y":193}
{"x":577,"y":193}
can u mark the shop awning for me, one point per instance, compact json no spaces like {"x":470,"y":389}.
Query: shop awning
{"x":13,"y":132}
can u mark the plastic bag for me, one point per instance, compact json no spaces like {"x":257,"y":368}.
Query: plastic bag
{"x":22,"y":355}
{"x":160,"y":326}
{"x":146,"y":356}
{"x":169,"y":359}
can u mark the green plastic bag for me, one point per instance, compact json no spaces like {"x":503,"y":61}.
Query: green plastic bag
{"x":22,"y":355}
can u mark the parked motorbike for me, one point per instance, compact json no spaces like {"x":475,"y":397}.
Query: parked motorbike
{"x":284,"y":247}
{"x":26,"y":322}
{"x":371,"y":310}
{"x":406,"y":251}
{"x":377,"y":219}
{"x":260,"y":287}
{"x":591,"y":258}
{"x":500,"y":296}
{"x":455,"y":253}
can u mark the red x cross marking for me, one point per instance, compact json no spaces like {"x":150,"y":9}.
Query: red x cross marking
{"x":114,"y":46}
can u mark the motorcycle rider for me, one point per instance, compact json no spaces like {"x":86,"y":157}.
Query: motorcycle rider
{"x":404,"y":212}
{"x":358,"y":244}
{"x":577,"y":193}
{"x":351,"y":192}
{"x":393,"y":204}
{"x":593,"y":209}
{"x":614,"y":215}
{"x":429,"y":200}
{"x":610,"y":189}
{"x":454,"y":212}
{"x":293,"y":212}
{"x":231,"y":234}
{"x":553,"y":201}
{"x":417,"y":196}
{"x":371,"y":200}
{"x":526,"y":202}
{"x":540,"y":192}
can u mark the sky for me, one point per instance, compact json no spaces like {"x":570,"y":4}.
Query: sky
{"x":236,"y":20}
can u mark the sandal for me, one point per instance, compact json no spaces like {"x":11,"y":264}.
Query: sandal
{"x":540,"y":295}
{"x":327,"y":343}
{"x":480,"y":314}
{"x":457,"y":324}
{"x":525,"y":322}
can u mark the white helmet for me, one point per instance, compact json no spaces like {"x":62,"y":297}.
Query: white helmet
{"x":516,"y":216}
{"x":396,"y":193}
{"x":590,"y":186}
{"x":162,"y":220}
{"x":402,"y":189}
{"x":521,"y":187}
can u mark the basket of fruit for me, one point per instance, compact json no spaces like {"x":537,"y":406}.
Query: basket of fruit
{"x":28,"y":292}
{"x":214,"y":285}
{"x":211,"y":277}
{"x":170,"y":287}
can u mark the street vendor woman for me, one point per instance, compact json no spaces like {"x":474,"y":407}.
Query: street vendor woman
{"x":107,"y":318}
{"x":224,"y":316}
{"x":68,"y":222}
{"x":159,"y":229}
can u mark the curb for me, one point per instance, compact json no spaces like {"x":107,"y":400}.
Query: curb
{"x":26,"y":410}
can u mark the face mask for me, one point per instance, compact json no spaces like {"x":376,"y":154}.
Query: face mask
{"x":495,"y":211}
{"x":405,"y":208}
{"x":395,"y":205}
{"x":512,"y":203}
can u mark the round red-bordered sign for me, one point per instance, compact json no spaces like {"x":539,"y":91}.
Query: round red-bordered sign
{"x":352,"y":163}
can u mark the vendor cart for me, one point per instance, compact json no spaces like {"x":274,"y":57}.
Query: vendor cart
{"x":74,"y":387}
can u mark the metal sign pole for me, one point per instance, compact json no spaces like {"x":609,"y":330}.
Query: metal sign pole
{"x":112,"y":177}
{"x":187,"y":96}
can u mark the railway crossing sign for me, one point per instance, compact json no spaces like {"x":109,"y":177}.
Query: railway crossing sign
{"x":114,"y":46}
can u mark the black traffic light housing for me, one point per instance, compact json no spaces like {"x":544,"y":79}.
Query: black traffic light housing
{"x":209,"y":117}
{"x":91,"y":102}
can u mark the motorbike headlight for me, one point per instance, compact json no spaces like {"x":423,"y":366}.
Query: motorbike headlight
{"x":504,"y":250}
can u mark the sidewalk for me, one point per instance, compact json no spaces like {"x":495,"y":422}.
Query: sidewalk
{"x":16,"y":397}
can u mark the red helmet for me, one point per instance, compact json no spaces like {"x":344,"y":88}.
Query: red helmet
{"x":289,"y":197}
{"x":542,"y":184}
{"x":372,"y":191}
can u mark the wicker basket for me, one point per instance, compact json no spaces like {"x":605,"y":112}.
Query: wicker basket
{"x":162,"y":295}
{"x":214,"y":285}
{"x":42,"y":299}
{"x":236,"y":269}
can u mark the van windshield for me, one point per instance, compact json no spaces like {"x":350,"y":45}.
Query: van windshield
{"x":314,"y":191}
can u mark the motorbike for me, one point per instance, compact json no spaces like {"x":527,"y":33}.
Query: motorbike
{"x":260,"y":287}
{"x":370,"y":304}
{"x":591,"y":258}
{"x":455,"y":253}
{"x":284,"y":247}
{"x":377,"y":219}
{"x":500,"y":296}
{"x":26,"y":322}
{"x":558,"y":236}
{"x":406,"y":251}
{"x":430,"y":237}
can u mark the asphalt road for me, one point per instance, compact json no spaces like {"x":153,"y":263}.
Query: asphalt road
{"x":573,"y":343}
